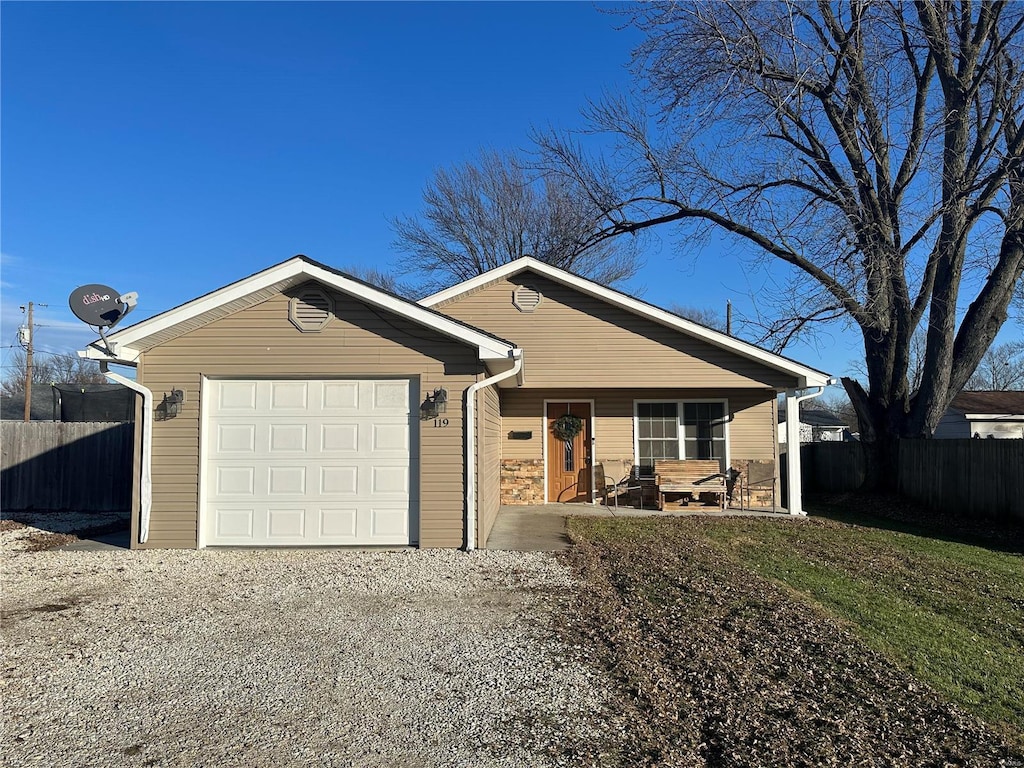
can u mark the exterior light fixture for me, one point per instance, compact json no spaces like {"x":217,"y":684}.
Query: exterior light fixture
{"x":170,"y":406}
{"x":434,"y":403}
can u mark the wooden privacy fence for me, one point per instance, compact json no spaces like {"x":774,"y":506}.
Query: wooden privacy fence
{"x":965,"y":478}
{"x":85,"y":466}
{"x":976,"y":478}
{"x":832,"y":467}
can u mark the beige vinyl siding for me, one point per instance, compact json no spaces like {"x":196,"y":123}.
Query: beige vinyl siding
{"x":571,"y":337}
{"x":488,"y":472}
{"x":260,"y":342}
{"x":751,"y":430}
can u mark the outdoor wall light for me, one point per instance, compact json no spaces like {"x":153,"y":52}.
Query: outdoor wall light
{"x":170,"y":406}
{"x":433,"y":404}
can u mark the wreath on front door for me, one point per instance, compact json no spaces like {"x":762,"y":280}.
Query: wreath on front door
{"x":567,"y":427}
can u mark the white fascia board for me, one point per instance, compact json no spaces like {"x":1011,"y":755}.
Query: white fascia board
{"x":511,"y":268}
{"x":95,"y":351}
{"x":489,"y":347}
{"x":806,"y":377}
{"x":994,"y":416}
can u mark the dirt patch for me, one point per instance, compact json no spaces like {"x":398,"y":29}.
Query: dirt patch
{"x":716,"y":666}
{"x":38,"y":542}
{"x":29,"y":531}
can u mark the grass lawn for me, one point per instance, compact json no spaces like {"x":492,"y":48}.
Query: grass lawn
{"x":951,"y":614}
{"x":804,"y":642}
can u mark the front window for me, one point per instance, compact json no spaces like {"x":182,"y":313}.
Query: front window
{"x":704,"y":431}
{"x":680,"y":430}
{"x":658,"y":431}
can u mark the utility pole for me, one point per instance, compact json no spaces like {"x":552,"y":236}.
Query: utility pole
{"x":28,"y":365}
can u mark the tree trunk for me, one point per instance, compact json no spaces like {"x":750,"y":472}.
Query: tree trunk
{"x":879,"y":437}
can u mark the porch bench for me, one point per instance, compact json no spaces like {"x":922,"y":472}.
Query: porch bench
{"x":681,"y":477}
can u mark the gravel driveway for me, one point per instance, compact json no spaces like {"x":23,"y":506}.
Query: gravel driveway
{"x":271,"y":658}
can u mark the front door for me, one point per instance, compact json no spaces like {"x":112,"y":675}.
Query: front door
{"x":568,"y":461}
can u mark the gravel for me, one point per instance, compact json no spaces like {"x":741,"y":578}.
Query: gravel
{"x":271,"y":658}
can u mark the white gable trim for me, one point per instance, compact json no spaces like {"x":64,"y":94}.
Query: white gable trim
{"x":807,"y":377}
{"x":127,"y":343}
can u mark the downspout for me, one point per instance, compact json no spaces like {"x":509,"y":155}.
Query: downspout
{"x":793,"y":470}
{"x":146,"y":481}
{"x":471,"y":390}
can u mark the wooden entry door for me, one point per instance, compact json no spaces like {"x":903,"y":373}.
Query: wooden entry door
{"x":568,"y":462}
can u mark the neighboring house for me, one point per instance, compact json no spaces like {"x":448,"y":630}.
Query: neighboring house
{"x":983,"y":414}
{"x":816,"y":426}
{"x":301,"y":406}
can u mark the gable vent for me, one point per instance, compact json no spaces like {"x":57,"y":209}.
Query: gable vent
{"x":525,"y":298}
{"x":311,"y":310}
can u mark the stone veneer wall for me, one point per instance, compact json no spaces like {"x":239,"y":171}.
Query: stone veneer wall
{"x":522,"y":481}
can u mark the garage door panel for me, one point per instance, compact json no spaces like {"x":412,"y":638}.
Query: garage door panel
{"x":388,"y":522}
{"x":338,"y":522}
{"x":390,"y":397}
{"x":286,"y":481}
{"x":286,"y":438}
{"x":235,"y":481}
{"x":339,"y":480}
{"x":236,"y":438}
{"x":389,"y":437}
{"x":289,"y":396}
{"x":309,"y":463}
{"x":339,"y":438}
{"x":234,"y":524}
{"x":340,"y":396}
{"x":237,"y":396}
{"x":385,"y":480}
{"x":286,"y":523}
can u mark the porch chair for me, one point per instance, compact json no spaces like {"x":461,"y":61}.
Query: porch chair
{"x":612,"y":478}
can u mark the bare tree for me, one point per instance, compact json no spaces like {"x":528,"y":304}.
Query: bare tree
{"x":49,"y":369}
{"x":482,"y":214}
{"x":875,"y":147}
{"x":72,"y":369}
{"x":1001,"y":368}
{"x":839,"y":405}
{"x":382,"y":278}
{"x":703,"y":315}
{"x":14,"y":380}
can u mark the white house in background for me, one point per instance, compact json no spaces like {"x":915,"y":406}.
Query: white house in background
{"x":816,"y":426}
{"x":984,"y":414}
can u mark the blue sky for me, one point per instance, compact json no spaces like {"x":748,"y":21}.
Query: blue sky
{"x":172,"y":148}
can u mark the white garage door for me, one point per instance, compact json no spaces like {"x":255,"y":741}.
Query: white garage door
{"x":292,"y":463}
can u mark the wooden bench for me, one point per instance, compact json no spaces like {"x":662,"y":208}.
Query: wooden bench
{"x":689,"y":478}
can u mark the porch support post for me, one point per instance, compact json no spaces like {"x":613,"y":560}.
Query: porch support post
{"x":793,"y":469}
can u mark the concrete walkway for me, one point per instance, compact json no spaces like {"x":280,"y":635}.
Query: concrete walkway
{"x":541,"y":527}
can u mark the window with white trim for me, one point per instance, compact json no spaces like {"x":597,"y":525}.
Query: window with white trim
{"x":680,"y":430}
{"x":704,"y":431}
{"x":657,"y":429}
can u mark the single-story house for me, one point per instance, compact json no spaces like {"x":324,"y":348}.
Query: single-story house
{"x":983,"y":414}
{"x":302,"y":406}
{"x":816,"y":426}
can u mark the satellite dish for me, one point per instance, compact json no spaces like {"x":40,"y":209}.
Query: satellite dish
{"x":100,"y":305}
